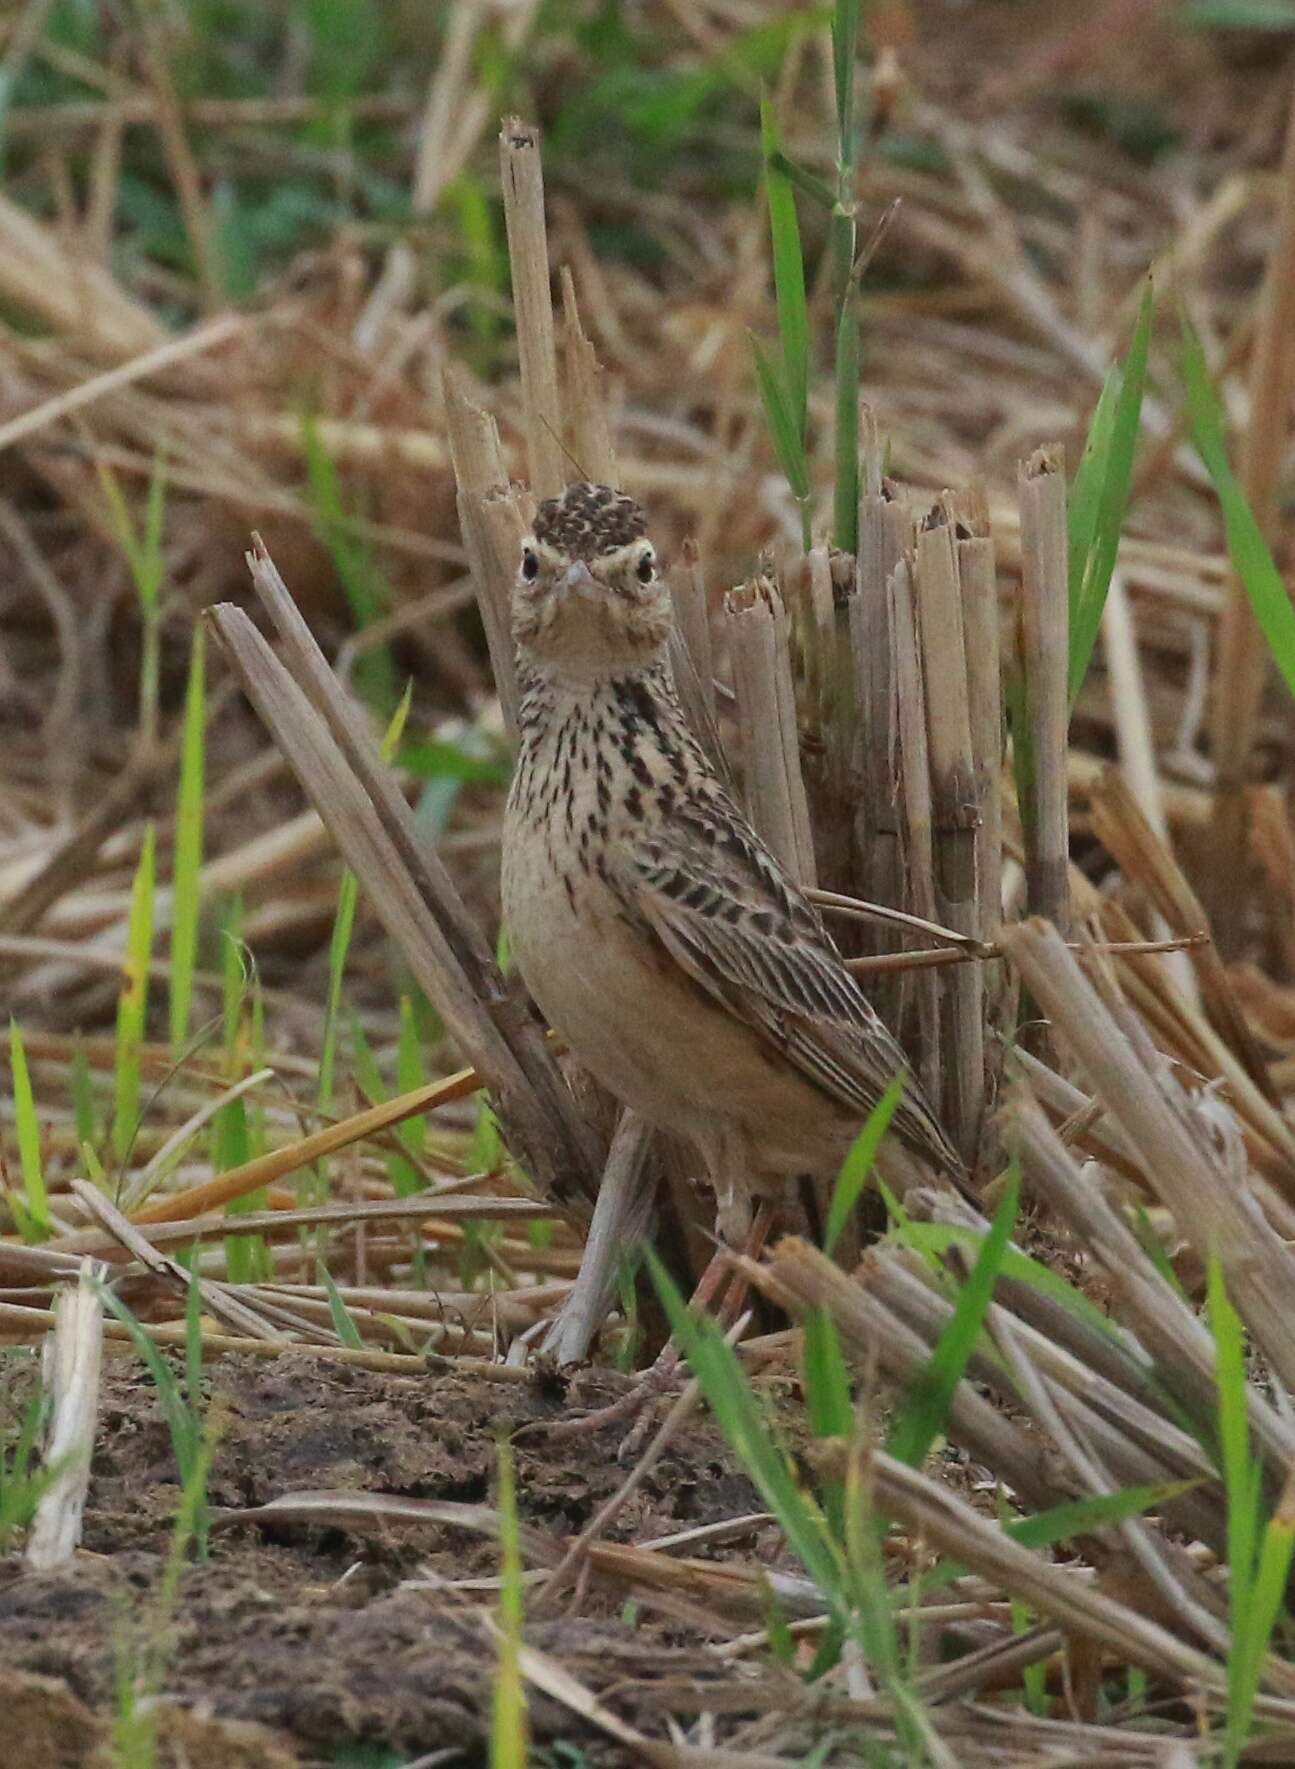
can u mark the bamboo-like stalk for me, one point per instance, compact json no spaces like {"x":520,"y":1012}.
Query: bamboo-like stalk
{"x":1045,"y":632}
{"x":1128,"y":836}
{"x":1208,"y":1197}
{"x":691,"y":653}
{"x":977,"y":581}
{"x":915,"y":803}
{"x":885,"y":533}
{"x":589,"y":438}
{"x":1174,"y":1336}
{"x":766,"y":712}
{"x":1243,"y":655}
{"x":801,"y":1279}
{"x":956,"y":816}
{"x":821,"y":591}
{"x":522,"y":178}
{"x":494,"y":514}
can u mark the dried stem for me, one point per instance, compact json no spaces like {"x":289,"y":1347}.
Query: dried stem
{"x":522,"y":178}
{"x":766,"y":707}
{"x":954,"y":798}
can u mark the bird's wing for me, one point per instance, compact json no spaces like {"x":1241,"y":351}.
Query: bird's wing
{"x":732,"y":918}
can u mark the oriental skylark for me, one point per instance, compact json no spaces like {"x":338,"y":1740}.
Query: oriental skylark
{"x":657,"y":933}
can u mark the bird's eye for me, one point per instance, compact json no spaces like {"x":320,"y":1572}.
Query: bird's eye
{"x":530,"y":565}
{"x":647,"y":568}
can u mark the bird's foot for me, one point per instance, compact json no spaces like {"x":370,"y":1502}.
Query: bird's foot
{"x":634,"y":1408}
{"x":638,"y":1406}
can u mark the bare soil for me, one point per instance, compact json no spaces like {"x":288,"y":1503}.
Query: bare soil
{"x":312,"y":1633}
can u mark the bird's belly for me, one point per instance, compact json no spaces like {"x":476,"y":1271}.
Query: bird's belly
{"x":646,"y":1031}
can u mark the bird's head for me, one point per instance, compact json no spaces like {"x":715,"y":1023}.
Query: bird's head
{"x":588,"y":596}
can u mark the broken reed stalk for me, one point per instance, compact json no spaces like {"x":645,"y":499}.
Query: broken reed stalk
{"x":769,"y":737}
{"x":978,"y":583}
{"x":758,"y":632}
{"x":70,"y":1367}
{"x":1045,"y":639}
{"x":494,"y":515}
{"x":692,"y":656}
{"x":955,"y":809}
{"x":915,"y":803}
{"x":885,"y":533}
{"x":336,"y":759}
{"x":522,"y":178}
{"x":589,"y":437}
{"x":1172,"y":1343}
{"x":1243,"y":665}
{"x":1204,"y":1186}
{"x":1143,"y":857}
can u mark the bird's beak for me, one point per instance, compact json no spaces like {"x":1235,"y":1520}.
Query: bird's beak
{"x":579,"y":580}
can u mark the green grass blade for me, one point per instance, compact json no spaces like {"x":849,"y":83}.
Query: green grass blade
{"x":788,"y":273}
{"x":1119,"y":444}
{"x":1085,"y":495}
{"x":827,"y":1399}
{"x":188,"y":848}
{"x":936,"y":1238}
{"x":807,"y":183}
{"x":1240,"y":1470}
{"x":343,"y":1321}
{"x":845,"y":47}
{"x":922,"y":1416}
{"x":858,"y":1164}
{"x":184,"y":1426}
{"x":508,"y":1728}
{"x":132,"y":1003}
{"x":36,"y":1225}
{"x":1250,"y":1644}
{"x":788,"y":442}
{"x":724,"y":1383}
{"x":1249,"y":551}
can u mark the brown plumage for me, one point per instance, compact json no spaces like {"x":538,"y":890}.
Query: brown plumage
{"x":654,"y":928}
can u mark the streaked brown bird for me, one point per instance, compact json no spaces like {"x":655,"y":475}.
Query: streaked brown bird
{"x":655,"y":930}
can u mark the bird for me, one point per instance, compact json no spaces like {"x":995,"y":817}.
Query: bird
{"x":657,"y":933}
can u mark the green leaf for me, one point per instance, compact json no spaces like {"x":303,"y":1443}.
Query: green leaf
{"x":188,"y":850}
{"x":827,"y":1398}
{"x":1101,"y":492}
{"x":926,"y":1407}
{"x":1240,"y":1469}
{"x":845,"y":45}
{"x":788,"y":274}
{"x":1247,"y":548}
{"x":343,"y":1323}
{"x":132,"y":1003}
{"x":724,"y":1383}
{"x":858,"y":1164}
{"x":788,"y":443}
{"x":508,"y":1730}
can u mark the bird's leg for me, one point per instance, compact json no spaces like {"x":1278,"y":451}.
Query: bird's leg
{"x":654,"y":1380}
